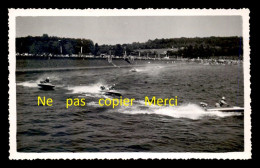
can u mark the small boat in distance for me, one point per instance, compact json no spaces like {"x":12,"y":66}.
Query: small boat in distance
{"x":133,"y":70}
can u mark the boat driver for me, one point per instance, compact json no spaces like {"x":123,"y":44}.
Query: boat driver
{"x":222,"y":102}
{"x":204,"y":105}
{"x":47,"y":80}
{"x":102,"y":87}
{"x":112,"y":87}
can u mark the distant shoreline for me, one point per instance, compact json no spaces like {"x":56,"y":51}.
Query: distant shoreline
{"x":120,"y":58}
{"x":72,"y":68}
{"x":45,"y":64}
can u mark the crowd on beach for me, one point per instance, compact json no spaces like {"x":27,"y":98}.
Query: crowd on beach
{"x":214,"y":61}
{"x":210,"y":61}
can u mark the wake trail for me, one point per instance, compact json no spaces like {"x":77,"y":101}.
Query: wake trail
{"x":189,"y":111}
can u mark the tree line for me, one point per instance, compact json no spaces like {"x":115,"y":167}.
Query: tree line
{"x":54,"y":45}
{"x":185,"y":47}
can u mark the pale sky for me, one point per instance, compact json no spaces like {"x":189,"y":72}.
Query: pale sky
{"x":128,"y":29}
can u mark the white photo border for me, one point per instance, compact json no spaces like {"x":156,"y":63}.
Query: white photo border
{"x":14,"y":155}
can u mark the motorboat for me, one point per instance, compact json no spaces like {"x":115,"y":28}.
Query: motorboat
{"x":46,"y":85}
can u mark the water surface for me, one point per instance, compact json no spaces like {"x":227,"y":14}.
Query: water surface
{"x":137,"y":128}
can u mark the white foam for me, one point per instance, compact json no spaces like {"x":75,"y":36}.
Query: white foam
{"x":190,"y":111}
{"x":94,"y":104}
{"x":140,"y":70}
{"x":88,"y":90}
{"x":28,"y":84}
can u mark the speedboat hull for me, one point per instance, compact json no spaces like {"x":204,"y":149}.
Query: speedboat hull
{"x":230,"y":109}
{"x":111,"y":92}
{"x":46,"y":86}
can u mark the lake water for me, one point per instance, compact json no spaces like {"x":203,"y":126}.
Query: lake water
{"x":137,"y":128}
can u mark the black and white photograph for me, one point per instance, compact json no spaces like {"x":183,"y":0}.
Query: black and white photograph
{"x":129,"y":84}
